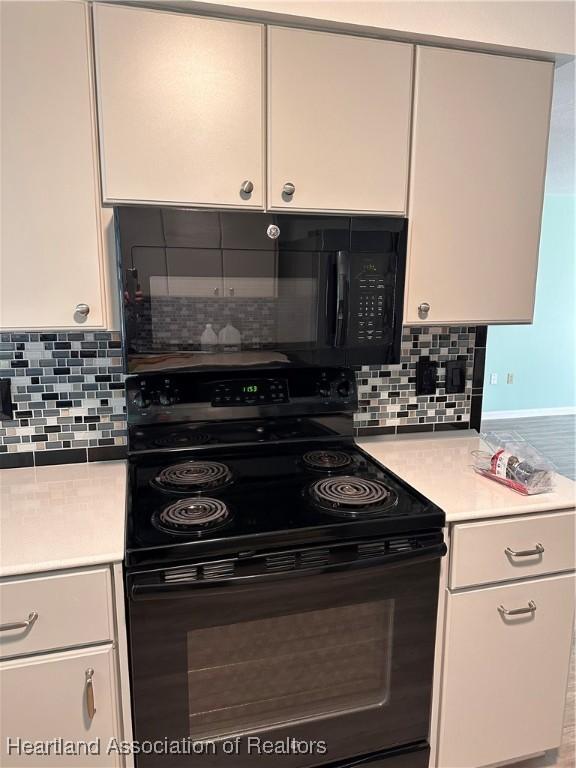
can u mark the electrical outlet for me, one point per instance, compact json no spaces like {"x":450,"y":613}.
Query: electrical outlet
{"x":455,"y":377}
{"x":426,"y":376}
{"x":510,"y":378}
{"x":493,"y":378}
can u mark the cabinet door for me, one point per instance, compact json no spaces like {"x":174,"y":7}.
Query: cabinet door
{"x":51,"y":242}
{"x":505,"y":676}
{"x":338,"y":121}
{"x":180,"y":103}
{"x":477,"y":183}
{"x":47,"y":697}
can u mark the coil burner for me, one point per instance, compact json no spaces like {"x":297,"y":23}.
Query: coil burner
{"x":327,"y":461}
{"x":193,"y":477}
{"x":193,"y":516}
{"x":348,"y":496}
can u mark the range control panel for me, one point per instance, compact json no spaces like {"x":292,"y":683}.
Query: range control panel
{"x":372,"y":301}
{"x":250,"y":392}
{"x":209,"y":395}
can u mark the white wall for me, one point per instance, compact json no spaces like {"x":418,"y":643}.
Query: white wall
{"x":539,"y":25}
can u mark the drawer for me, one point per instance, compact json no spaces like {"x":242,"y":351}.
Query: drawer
{"x":62,"y":611}
{"x":483,"y":552}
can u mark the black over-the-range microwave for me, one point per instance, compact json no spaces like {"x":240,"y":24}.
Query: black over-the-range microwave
{"x":208,"y":290}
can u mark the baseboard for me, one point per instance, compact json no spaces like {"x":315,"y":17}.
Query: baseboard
{"x":529,"y":413}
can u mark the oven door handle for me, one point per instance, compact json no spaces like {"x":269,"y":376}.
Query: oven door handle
{"x":144,"y":591}
{"x":342,"y":289}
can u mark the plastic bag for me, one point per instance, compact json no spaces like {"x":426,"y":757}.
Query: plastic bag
{"x":512,"y":461}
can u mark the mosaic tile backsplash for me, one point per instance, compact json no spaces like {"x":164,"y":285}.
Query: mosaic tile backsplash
{"x":387,"y":394}
{"x":68,"y":395}
{"x":69,"y":403}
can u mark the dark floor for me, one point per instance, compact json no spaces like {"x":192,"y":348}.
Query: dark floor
{"x":553,"y":436}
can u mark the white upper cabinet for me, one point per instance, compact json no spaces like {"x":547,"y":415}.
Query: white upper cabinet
{"x":338,"y":122}
{"x":51,"y":242}
{"x":180,"y":103}
{"x":480,"y":134}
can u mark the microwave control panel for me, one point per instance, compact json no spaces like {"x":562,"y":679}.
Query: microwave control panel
{"x":371,"y":303}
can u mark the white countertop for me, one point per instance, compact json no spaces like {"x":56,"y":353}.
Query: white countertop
{"x":61,"y":516}
{"x":73,"y":515}
{"x":441,"y":469}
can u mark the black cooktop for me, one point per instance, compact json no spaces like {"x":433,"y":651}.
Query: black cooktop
{"x":190,"y":502}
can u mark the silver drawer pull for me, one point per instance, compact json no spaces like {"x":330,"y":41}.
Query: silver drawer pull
{"x":20,"y":624}
{"x":90,"y":704}
{"x":538,"y":550}
{"x":530,"y":608}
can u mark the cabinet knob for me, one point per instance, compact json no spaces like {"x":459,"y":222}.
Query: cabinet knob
{"x":423,"y":309}
{"x":231,"y":291}
{"x":247,"y":187}
{"x":216,"y":291}
{"x":288,"y":189}
{"x":82,"y":309}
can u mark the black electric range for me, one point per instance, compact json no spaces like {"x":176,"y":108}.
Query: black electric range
{"x":281,"y":584}
{"x":223,"y":483}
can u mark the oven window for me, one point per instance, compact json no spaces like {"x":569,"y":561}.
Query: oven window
{"x":257,"y":674}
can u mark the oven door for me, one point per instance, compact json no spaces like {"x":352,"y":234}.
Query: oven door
{"x":326,"y":655}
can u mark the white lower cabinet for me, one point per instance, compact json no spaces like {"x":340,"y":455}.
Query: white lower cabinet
{"x":505,"y":675}
{"x":69,"y":696}
{"x":64,"y":672}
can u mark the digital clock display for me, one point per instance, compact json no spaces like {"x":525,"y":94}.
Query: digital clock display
{"x":250,"y":392}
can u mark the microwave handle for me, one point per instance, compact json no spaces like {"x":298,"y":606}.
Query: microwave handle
{"x":342,"y":291}
{"x":184,"y":588}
